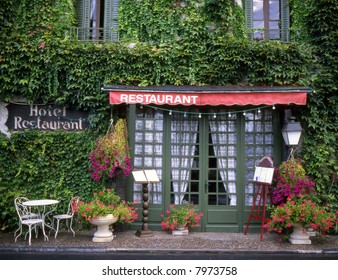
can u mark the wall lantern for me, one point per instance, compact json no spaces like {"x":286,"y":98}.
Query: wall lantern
{"x":291,"y":132}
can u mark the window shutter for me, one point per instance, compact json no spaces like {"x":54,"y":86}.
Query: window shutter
{"x":111,"y":20}
{"x":248,"y":18}
{"x":83,"y":18}
{"x":115,"y":21}
{"x":285,"y":20}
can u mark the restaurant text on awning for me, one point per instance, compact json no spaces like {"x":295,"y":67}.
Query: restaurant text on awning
{"x":207,"y":97}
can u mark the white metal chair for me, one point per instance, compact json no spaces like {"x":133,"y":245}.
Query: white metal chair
{"x":68,"y":217}
{"x":29,"y":215}
{"x":30,"y":221}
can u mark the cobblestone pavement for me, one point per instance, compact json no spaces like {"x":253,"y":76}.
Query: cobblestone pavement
{"x":202,"y":241}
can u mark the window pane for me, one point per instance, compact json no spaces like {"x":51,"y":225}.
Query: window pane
{"x":274,"y":10}
{"x":138,"y":149}
{"x":258,"y":9}
{"x":258,"y":143}
{"x":139,"y":125}
{"x":148,"y":149}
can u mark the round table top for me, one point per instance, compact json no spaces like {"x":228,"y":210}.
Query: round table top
{"x":40,"y":202}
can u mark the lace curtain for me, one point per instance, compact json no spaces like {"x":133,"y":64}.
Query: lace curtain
{"x":226,"y":165}
{"x":183,"y":139}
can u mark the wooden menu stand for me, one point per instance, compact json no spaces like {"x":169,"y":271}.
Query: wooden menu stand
{"x":263,"y":179}
{"x":145,"y":177}
{"x":256,"y":212}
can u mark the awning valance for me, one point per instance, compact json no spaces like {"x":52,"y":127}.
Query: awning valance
{"x":207,"y":96}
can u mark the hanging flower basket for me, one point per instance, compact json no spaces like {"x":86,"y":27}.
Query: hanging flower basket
{"x":291,"y":180}
{"x":111,"y":154}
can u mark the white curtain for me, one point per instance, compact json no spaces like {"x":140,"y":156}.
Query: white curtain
{"x":93,"y":17}
{"x":183,"y":139}
{"x":226,"y":166}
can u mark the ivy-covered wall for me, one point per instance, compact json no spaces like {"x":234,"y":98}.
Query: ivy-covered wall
{"x":162,"y":42}
{"x":43,"y":165}
{"x":166,"y":21}
{"x":46,"y":66}
{"x":318,"y":19}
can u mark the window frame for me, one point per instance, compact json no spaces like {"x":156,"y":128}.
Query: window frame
{"x":107,"y":32}
{"x":284,"y":20}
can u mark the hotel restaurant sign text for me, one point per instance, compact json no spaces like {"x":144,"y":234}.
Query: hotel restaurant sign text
{"x":45,"y":117}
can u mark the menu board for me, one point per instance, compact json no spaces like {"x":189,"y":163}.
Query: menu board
{"x":263,"y":174}
{"x":145,"y":176}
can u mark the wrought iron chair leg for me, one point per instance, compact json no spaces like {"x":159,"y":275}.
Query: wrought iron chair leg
{"x":44,"y":233}
{"x":52,"y":226}
{"x":70,"y":226}
{"x":36,"y":231}
{"x":57,"y":227}
{"x":30,"y":237}
{"x":19,"y":234}
{"x":20,"y":227}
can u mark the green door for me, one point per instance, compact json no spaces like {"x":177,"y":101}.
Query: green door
{"x":203,"y":157}
{"x":204,"y":166}
{"x":220,"y":145}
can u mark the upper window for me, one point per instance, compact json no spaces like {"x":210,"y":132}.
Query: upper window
{"x":268,"y":19}
{"x":97,"y":20}
{"x":265,"y":19}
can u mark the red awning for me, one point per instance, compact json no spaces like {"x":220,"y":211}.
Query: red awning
{"x":207,"y":97}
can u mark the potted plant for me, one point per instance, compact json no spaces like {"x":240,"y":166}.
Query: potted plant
{"x":105,"y":209}
{"x":294,"y":208}
{"x":181,"y":218}
{"x":111,"y":153}
{"x":298,"y":213}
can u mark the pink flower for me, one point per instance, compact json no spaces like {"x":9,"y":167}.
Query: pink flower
{"x":42,"y":45}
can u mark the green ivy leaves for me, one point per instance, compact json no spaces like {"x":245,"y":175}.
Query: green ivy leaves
{"x":44,"y":165}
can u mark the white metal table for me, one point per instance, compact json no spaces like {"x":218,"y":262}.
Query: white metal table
{"x":42,"y":203}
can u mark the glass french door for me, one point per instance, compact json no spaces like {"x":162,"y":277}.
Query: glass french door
{"x":222,"y":202}
{"x":206,"y":158}
{"x":204,"y":166}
